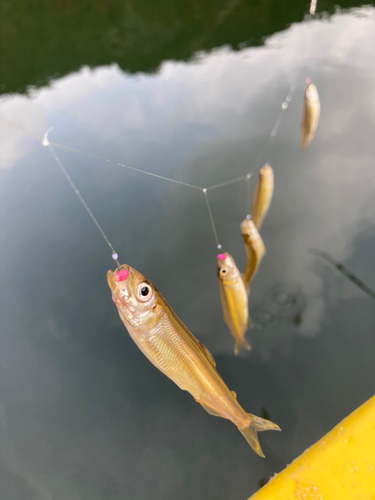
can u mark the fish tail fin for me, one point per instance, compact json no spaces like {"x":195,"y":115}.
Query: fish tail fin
{"x":305,"y":141}
{"x":257,"y":424}
{"x":241,"y":343}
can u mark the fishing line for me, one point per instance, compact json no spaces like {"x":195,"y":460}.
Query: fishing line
{"x":309,"y":17}
{"x":20,"y":128}
{"x":246,"y":178}
{"x":279,"y":119}
{"x":160,"y":177}
{"x":75,"y":189}
{"x":45,"y":142}
{"x":232,"y":181}
{"x":211,"y":219}
{"x":57,"y":145}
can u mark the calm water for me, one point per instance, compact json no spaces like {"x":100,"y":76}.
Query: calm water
{"x":83,"y":415}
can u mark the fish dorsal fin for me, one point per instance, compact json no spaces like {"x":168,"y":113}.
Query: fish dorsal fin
{"x":234,"y":394}
{"x":206,"y":352}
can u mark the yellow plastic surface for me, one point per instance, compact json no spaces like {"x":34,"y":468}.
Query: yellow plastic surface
{"x":341,"y":466}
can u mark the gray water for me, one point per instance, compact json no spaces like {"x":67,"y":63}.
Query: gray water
{"x":83,"y":414}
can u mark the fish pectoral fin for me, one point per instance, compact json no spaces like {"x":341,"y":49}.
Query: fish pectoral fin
{"x":234,"y":394}
{"x":208,"y":409}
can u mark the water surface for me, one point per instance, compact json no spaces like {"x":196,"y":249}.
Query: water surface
{"x":83,"y":414}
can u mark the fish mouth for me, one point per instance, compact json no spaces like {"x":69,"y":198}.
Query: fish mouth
{"x":245,"y":225}
{"x":114,"y":277}
{"x":266,"y":170}
{"x":221,"y":257}
{"x":111,"y":280}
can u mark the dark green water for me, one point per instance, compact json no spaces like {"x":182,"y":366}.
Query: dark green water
{"x":83,"y":415}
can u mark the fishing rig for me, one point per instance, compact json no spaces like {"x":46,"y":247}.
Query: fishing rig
{"x":52,"y":146}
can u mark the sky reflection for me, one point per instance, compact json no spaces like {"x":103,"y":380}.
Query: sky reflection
{"x":85,"y":415}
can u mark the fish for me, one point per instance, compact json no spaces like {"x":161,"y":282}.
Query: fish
{"x":263,"y":195}
{"x":171,"y":347}
{"x":311,"y":114}
{"x":255,"y":250}
{"x":234,"y":300}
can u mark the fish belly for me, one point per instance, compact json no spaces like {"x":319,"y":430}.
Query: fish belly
{"x":192,"y":371}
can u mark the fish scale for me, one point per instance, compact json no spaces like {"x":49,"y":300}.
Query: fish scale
{"x":184,"y":361}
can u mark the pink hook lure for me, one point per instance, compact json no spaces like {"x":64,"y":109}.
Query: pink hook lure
{"x":122,"y":275}
{"x":221,"y":256}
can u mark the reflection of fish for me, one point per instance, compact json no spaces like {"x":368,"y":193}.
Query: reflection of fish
{"x":233,"y":300}
{"x":265,"y":413}
{"x":169,"y":345}
{"x":263,"y":195}
{"x":311,"y":113}
{"x":255,"y":250}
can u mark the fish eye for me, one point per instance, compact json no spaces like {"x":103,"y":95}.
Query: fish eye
{"x":223,"y":270}
{"x":144,"y":292}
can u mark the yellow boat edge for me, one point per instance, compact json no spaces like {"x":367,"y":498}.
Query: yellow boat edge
{"x":340,"y":466}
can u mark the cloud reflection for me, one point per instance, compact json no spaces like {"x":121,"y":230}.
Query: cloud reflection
{"x":86,"y":415}
{"x":192,"y":112}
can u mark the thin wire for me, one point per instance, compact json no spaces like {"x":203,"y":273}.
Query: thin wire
{"x":128,"y":167}
{"x":160,"y":177}
{"x":67,"y":148}
{"x":279,"y":119}
{"x":277,"y":125}
{"x":20,"y":128}
{"x":211,"y":218}
{"x":275,"y":128}
{"x":248,"y":197}
{"x":246,"y":178}
{"x":226,"y":183}
{"x":232,"y":181}
{"x":75,"y":189}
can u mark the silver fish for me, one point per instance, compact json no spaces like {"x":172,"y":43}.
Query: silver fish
{"x":169,"y":345}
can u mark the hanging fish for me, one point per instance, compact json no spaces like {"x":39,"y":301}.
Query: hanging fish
{"x":255,"y":250}
{"x":311,"y":113}
{"x":169,"y":345}
{"x":233,"y":300}
{"x":263,"y":195}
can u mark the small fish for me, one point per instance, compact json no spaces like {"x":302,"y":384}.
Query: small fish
{"x":233,"y":299}
{"x":263,"y":195}
{"x":255,"y":250}
{"x":168,"y":344}
{"x":311,"y":113}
